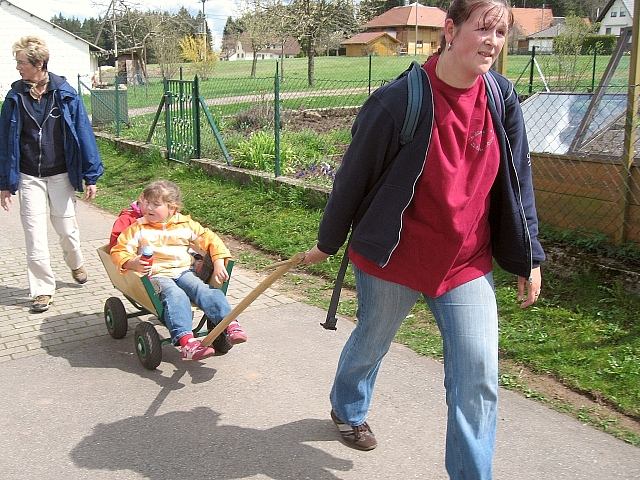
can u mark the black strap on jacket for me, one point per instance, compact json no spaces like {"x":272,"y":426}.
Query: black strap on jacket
{"x":415,"y":91}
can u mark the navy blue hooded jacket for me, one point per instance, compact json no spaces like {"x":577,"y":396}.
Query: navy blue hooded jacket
{"x":79,"y":144}
{"x":375,"y":153}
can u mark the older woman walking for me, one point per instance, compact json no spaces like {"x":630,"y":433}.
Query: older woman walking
{"x":47,"y":150}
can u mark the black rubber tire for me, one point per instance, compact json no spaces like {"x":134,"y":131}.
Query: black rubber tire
{"x":115,"y":318}
{"x":146,"y":341}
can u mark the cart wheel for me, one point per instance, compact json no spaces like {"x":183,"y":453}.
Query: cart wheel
{"x":148,"y":346}
{"x":221,"y":344}
{"x":115,"y":317}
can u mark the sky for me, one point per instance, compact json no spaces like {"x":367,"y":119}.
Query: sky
{"x":216,"y":11}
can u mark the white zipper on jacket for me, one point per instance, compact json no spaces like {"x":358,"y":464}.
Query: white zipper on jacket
{"x":413,"y":188}
{"x":39,"y":130}
{"x":520,"y":205}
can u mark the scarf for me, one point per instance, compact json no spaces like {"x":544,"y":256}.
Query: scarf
{"x":33,"y":87}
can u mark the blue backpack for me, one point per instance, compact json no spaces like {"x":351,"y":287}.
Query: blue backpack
{"x":415,"y":91}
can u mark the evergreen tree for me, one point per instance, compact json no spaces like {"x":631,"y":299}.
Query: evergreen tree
{"x":372,"y":8}
{"x":72,"y":25}
{"x":230,"y":35}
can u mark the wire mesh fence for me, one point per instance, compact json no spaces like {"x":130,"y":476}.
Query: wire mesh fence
{"x":585,"y":177}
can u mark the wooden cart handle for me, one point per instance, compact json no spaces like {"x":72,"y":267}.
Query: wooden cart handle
{"x":282,"y":268}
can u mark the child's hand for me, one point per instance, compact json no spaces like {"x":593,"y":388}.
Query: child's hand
{"x":220,"y":274}
{"x":137,"y":264}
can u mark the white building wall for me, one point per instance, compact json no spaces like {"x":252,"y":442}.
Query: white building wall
{"x":541,"y":44}
{"x":68,"y":55}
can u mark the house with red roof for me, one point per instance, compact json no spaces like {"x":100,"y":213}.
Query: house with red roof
{"x":412,"y":29}
{"x":526,"y":22}
{"x":241,"y":49}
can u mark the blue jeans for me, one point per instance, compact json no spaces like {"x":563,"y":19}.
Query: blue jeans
{"x":468,"y":321}
{"x":177,"y":294}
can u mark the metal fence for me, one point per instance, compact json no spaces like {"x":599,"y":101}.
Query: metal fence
{"x":585,"y":178}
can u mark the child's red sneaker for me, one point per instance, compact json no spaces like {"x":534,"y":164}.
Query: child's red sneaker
{"x":235,"y":333}
{"x":194,"y":350}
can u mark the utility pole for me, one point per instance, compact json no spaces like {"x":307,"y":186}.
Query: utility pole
{"x":204,"y":32}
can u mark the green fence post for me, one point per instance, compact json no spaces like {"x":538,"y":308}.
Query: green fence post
{"x":79,"y":86}
{"x":196,"y":115}
{"x":369,"y":74}
{"x":593,"y":70}
{"x":276,"y":120}
{"x":533,"y":64}
{"x":117,"y":108}
{"x":167,"y":118}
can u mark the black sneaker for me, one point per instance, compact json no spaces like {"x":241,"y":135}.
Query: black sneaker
{"x":41,"y":303}
{"x":360,"y":437}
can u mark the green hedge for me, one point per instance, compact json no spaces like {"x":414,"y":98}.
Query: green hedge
{"x":602,"y":44}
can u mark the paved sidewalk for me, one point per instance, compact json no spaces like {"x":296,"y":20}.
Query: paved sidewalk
{"x":76,"y":404}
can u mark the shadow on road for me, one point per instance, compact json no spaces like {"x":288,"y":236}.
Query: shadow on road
{"x":194,"y":444}
{"x":105,"y":352}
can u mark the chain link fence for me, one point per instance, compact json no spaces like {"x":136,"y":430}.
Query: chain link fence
{"x":585,"y":177}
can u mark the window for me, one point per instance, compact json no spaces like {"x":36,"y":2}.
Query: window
{"x":614,"y":13}
{"x":623,"y":13}
{"x":607,"y":31}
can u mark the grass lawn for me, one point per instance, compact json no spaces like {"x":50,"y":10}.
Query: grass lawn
{"x":584,"y":331}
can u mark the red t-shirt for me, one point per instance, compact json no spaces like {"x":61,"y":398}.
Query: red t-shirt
{"x":445,"y":236}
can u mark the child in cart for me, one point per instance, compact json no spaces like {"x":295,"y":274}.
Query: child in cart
{"x":171,"y":235}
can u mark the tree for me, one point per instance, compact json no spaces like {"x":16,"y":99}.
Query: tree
{"x":331,"y":42}
{"x":230,"y":36}
{"x":567,"y":47}
{"x":72,"y":25}
{"x":166,"y":48}
{"x":565,"y":8}
{"x":192,"y":49}
{"x":279,"y":25}
{"x":313,"y":19}
{"x":372,"y":8}
{"x":256,"y":29}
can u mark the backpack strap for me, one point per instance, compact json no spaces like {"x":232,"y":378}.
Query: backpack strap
{"x":415,"y":90}
{"x":494,"y":93}
{"x":414,"y":102}
{"x":331,"y":319}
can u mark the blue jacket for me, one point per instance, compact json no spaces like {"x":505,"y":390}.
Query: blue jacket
{"x":376,"y":169}
{"x":80,"y":148}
